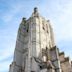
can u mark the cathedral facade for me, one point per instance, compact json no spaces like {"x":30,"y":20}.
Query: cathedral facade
{"x":36,"y":50}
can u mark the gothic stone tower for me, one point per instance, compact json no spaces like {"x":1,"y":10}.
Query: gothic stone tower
{"x":35,"y":49}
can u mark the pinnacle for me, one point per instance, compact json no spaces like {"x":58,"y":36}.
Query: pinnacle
{"x":35,"y":10}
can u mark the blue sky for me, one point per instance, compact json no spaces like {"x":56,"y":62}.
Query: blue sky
{"x":59,"y":12}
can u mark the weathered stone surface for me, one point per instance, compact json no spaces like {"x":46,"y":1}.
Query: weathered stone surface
{"x":35,"y":49}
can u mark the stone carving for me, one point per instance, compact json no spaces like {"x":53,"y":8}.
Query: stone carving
{"x":44,"y":65}
{"x":47,"y":64}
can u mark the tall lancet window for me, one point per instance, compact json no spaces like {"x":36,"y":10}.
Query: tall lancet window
{"x":27,"y":27}
{"x":47,"y":28}
{"x":43,"y":26}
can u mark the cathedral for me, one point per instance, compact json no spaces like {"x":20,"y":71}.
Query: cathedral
{"x":35,"y":49}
